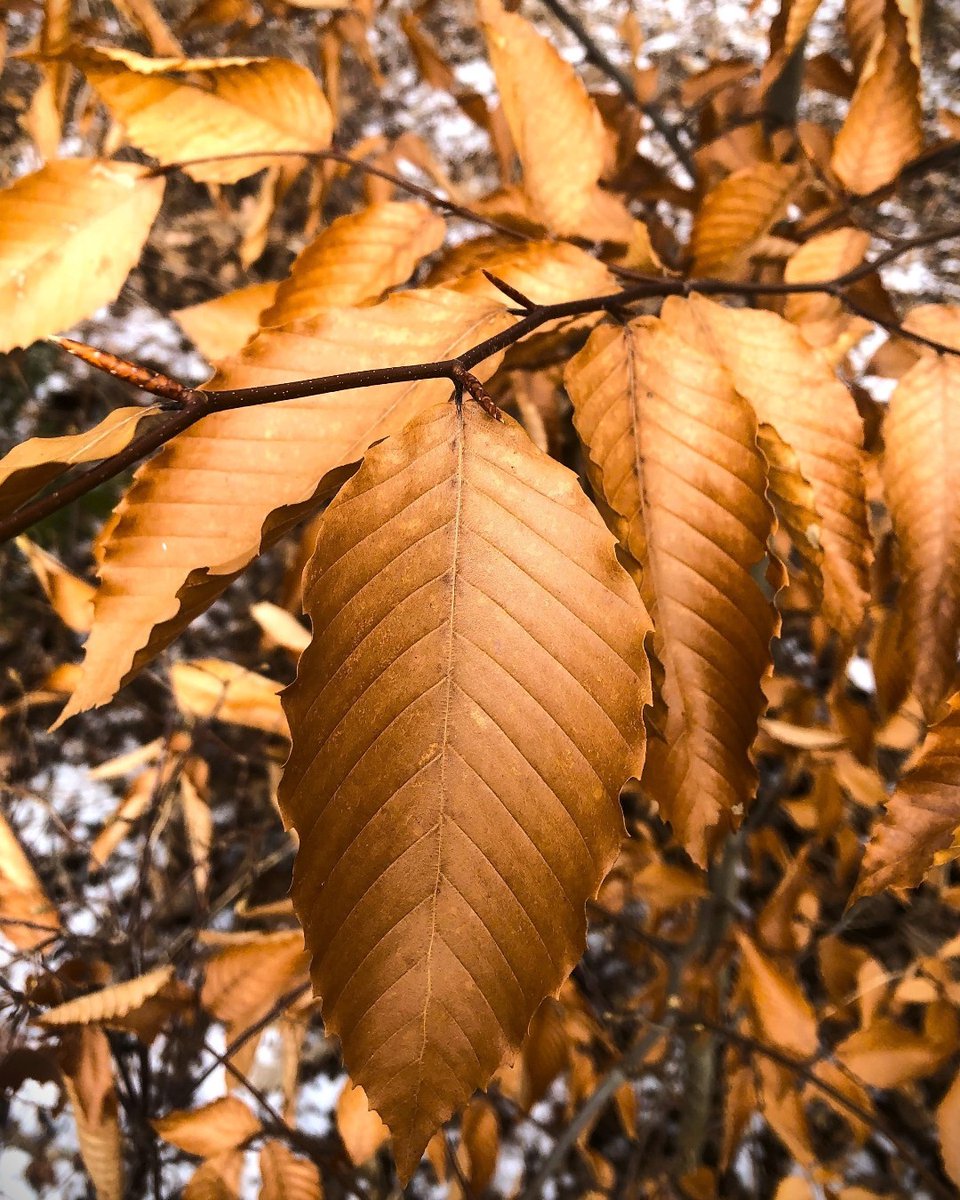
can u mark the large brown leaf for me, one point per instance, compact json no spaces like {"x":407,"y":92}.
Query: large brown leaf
{"x":676,"y":451}
{"x":922,"y":815}
{"x":179,"y":108}
{"x":463,"y":721}
{"x":201,"y":510}
{"x":69,"y":235}
{"x":921,"y":474}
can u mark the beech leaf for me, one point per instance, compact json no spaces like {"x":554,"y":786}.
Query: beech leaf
{"x":462,"y":723}
{"x":736,"y":214}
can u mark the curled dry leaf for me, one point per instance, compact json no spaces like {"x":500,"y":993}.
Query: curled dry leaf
{"x":463,"y":721}
{"x":556,"y":128}
{"x":178,"y":109}
{"x":221,"y":328}
{"x":70,"y":597}
{"x":361,"y":1130}
{"x":356,"y":258}
{"x":676,"y":451}
{"x":948,"y":1123}
{"x":883,"y":128}
{"x":251,"y":473}
{"x":214,"y":687}
{"x":117,"y":1000}
{"x":27,"y":916}
{"x":921,"y":815}
{"x":735,"y":216}
{"x":210,"y":1130}
{"x":87,"y":1068}
{"x":782,"y":1013}
{"x":29,"y":467}
{"x":69,"y":236}
{"x":217,"y":1178}
{"x":286,"y":1176}
{"x":480,"y":1142}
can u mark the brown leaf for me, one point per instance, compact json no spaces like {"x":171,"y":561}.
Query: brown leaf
{"x":280,"y":627}
{"x":469,"y":799}
{"x":178,"y":109}
{"x":736,"y":214}
{"x":823,"y":257}
{"x":781,"y":1011}
{"x":556,"y":128}
{"x":921,"y":474}
{"x":362,"y":1131}
{"x":678,"y":461}
{"x":356,"y":258}
{"x":287,"y":1177}
{"x":883,"y":130}
{"x":921,"y":815}
{"x":117,"y":1000}
{"x":213,"y":687}
{"x":249,"y":474}
{"x":948,"y":1126}
{"x":210,"y":1130}
{"x":71,"y":233}
{"x":886,"y":1054}
{"x":216,"y":1179}
{"x":88,"y":1081}
{"x":70,"y":596}
{"x":27,"y":917}
{"x":221,"y":328}
{"x":480,"y":1139}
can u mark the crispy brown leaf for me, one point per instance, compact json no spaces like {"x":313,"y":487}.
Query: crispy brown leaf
{"x":88,"y":1081}
{"x":117,"y":1000}
{"x":27,"y":916}
{"x":210,"y":1130}
{"x":736,"y":214}
{"x":69,"y":235}
{"x":222,"y":327}
{"x":287,"y":1177}
{"x":462,"y":723}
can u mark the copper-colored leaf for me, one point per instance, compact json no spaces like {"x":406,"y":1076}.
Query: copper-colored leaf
{"x":69,"y":235}
{"x":736,"y":214}
{"x":948,"y":1127}
{"x":362,"y":1131}
{"x":179,"y":108}
{"x":70,"y":596}
{"x":222,"y":327}
{"x":921,"y":474}
{"x":221,"y":1125}
{"x":676,"y":450}
{"x":285,"y":1176}
{"x":356,"y":258}
{"x":886,"y":1054}
{"x":117,"y":1000}
{"x":213,"y":687}
{"x":232,"y":483}
{"x":462,"y":724}
{"x":822,"y":258}
{"x":480,"y":1139}
{"x":88,"y":1081}
{"x":782,"y":1013}
{"x":27,"y":917}
{"x":922,"y":814}
{"x":556,"y":128}
{"x":883,"y":129}
{"x":244,"y":981}
{"x":280,"y":627}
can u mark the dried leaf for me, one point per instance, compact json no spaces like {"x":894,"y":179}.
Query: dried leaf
{"x":921,"y":476}
{"x":948,"y":1125}
{"x":212,"y":687}
{"x":243,"y":982}
{"x":781,"y":1011}
{"x":88,"y":1081}
{"x":922,"y":814}
{"x":701,"y":526}
{"x":362,"y":1131}
{"x":736,"y":214}
{"x":886,"y":1054}
{"x":178,"y":109}
{"x":480,"y":1138}
{"x":221,"y":328}
{"x":244,"y":473}
{"x":356,"y":258}
{"x":883,"y":130}
{"x":210,"y":1130}
{"x":824,"y":257}
{"x":27,"y":917}
{"x":281,"y":627}
{"x":117,"y":1000}
{"x":287,"y":1177}
{"x":70,"y":596}
{"x":71,"y":232}
{"x":488,"y":741}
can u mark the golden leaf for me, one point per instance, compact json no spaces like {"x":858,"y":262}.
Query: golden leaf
{"x":921,"y":815}
{"x":280,"y":627}
{"x":469,"y":799}
{"x":781,"y":1011}
{"x":676,"y":451}
{"x":922,"y":483}
{"x":824,"y":257}
{"x":218,"y":1178}
{"x":356,"y":258}
{"x":886,"y":1054}
{"x":771,"y":365}
{"x":178,"y":109}
{"x":210,"y":1130}
{"x":480,"y":1140}
{"x":236,"y":481}
{"x":222,"y":327}
{"x":27,"y":917}
{"x":736,"y":214}
{"x":69,"y":235}
{"x":556,"y":128}
{"x":360,"y":1129}
{"x":213,"y":687}
{"x":948,"y":1122}
{"x":287,"y":1177}
{"x":117,"y":1000}
{"x":882,"y":131}
{"x":70,"y":596}
{"x":87,"y":1068}
{"x":31,"y":465}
